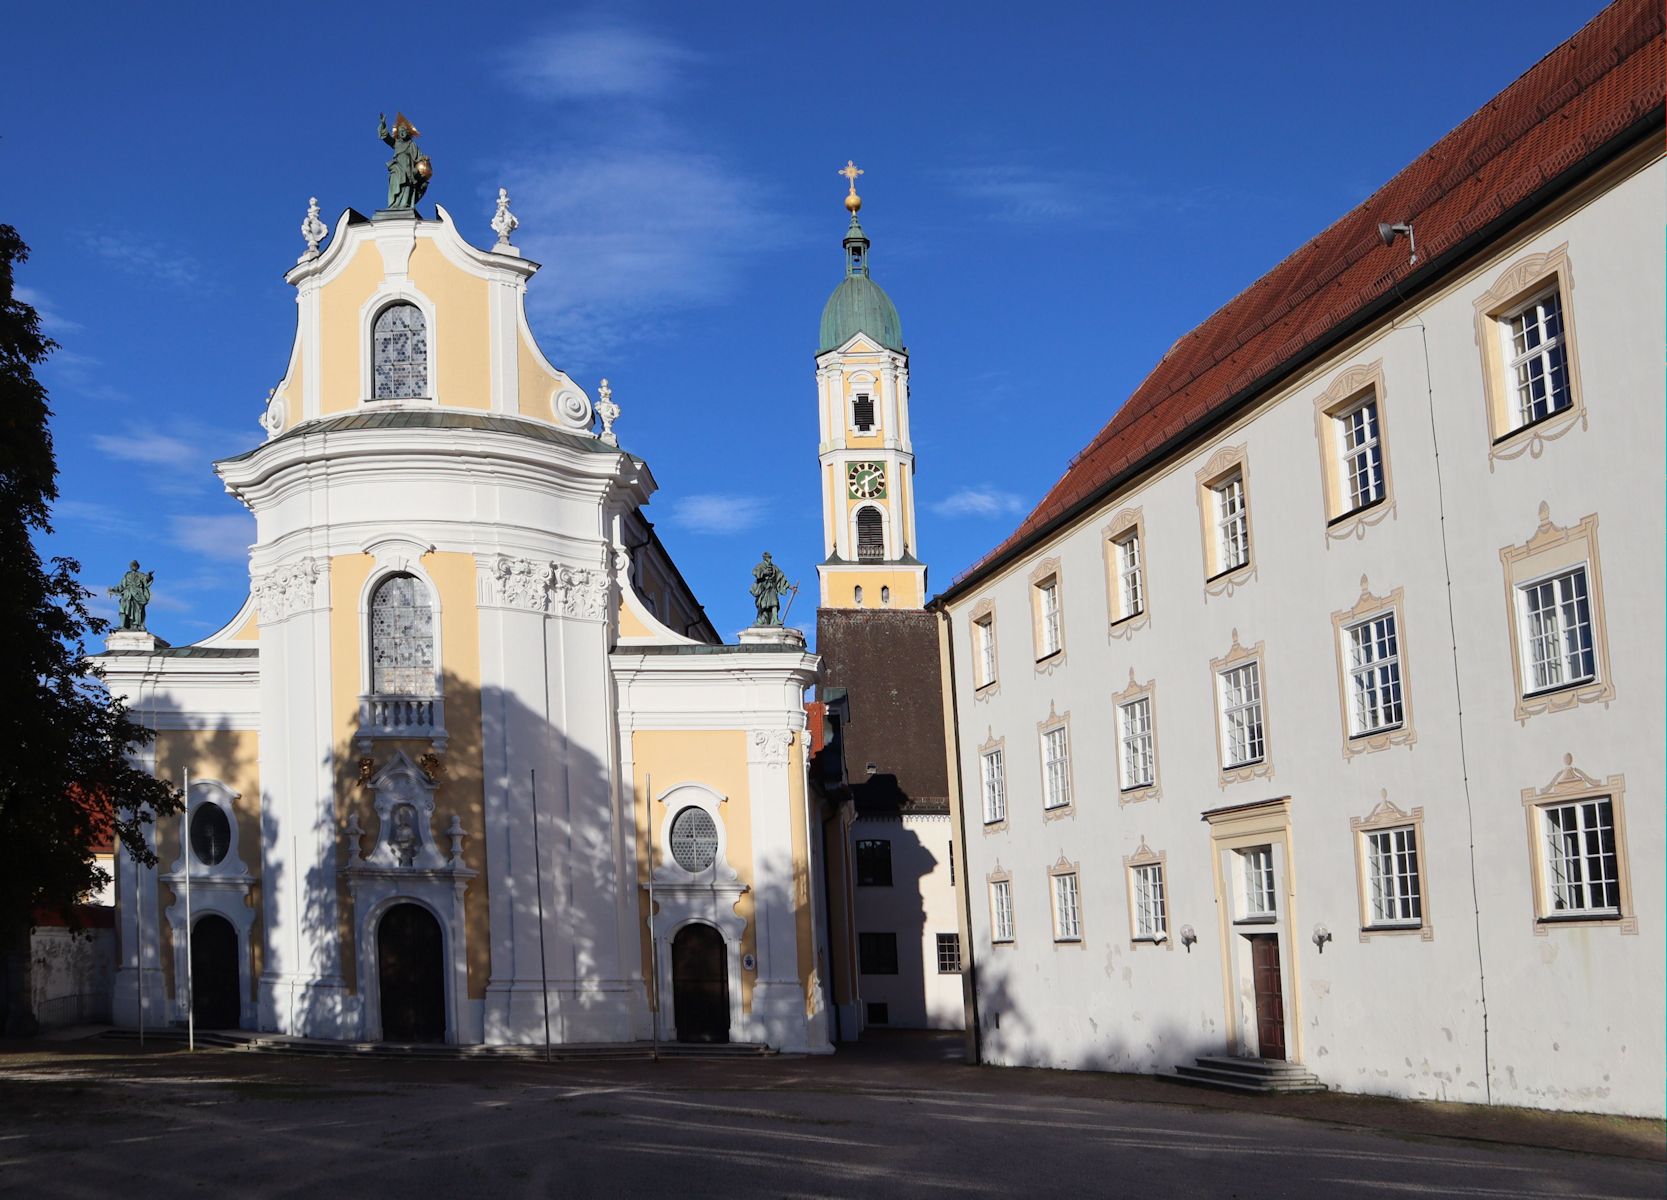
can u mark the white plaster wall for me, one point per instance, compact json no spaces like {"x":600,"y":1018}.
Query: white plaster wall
{"x":1574,"y":1016}
{"x":73,"y":975}
{"x":918,"y":906}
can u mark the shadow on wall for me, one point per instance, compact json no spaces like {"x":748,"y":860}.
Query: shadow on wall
{"x":897,"y":908}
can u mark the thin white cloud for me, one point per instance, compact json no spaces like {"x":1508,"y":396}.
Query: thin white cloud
{"x":53,"y":323}
{"x":1028,"y":195}
{"x":716,"y":514}
{"x":598,"y":62}
{"x":978,"y":502}
{"x":220,"y":537}
{"x":182,"y":458}
{"x":71,"y":373}
{"x":129,"y":252}
{"x":105,"y":517}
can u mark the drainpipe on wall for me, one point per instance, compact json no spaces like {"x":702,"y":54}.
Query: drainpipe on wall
{"x":951,"y":722}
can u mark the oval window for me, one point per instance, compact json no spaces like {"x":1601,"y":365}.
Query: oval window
{"x":694,"y":839}
{"x":211,"y":834}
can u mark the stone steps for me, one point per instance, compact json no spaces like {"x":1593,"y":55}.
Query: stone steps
{"x":273,"y":1043}
{"x":1262,"y":1076}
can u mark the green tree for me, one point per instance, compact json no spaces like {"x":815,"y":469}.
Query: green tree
{"x":67,"y":782}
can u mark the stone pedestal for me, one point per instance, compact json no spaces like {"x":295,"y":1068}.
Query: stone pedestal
{"x":773,"y":635}
{"x":141,"y":640}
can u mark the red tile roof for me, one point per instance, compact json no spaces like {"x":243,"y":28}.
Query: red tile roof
{"x":1597,"y":85}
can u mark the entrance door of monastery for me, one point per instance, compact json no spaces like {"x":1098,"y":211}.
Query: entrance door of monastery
{"x":410,"y":958}
{"x":1270,"y":995}
{"x":700,"y":985}
{"x":214,"y":975}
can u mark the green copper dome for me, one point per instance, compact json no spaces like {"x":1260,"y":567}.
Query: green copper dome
{"x":859,"y":305}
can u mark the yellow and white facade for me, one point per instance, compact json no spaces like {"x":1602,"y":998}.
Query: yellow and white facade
{"x":469,"y":693}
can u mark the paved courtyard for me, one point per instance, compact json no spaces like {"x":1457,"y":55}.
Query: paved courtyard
{"x":101,"y":1119}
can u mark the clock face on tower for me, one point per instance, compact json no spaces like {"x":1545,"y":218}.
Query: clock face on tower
{"x":866,"y":480}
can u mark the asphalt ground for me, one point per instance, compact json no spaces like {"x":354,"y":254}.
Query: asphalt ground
{"x":101,"y":1119}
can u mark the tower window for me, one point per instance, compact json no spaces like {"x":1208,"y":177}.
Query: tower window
{"x":871,"y":537}
{"x":399,"y":346}
{"x":862,"y":412}
{"x":401,"y":638}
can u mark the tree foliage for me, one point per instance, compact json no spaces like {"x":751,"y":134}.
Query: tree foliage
{"x":66,"y":784}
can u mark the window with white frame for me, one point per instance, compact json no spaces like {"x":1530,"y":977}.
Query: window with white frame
{"x":871,"y":534}
{"x":1047,"y":617}
{"x":1131,"y":592}
{"x":1582,"y":868}
{"x":1257,"y":863}
{"x":1232,"y":523}
{"x":1374,"y":666}
{"x":1067,"y":915}
{"x":1361,"y":453}
{"x":1134,"y":732}
{"x":1001,"y":910}
{"x":994,"y":784}
{"x":1151,"y":908}
{"x":1056,"y":768}
{"x":1556,"y":631}
{"x":401,"y":638}
{"x":399,"y":353}
{"x":984,"y":649}
{"x":949,"y":954}
{"x":1393,"y":891}
{"x":862,"y":412}
{"x":1241,"y":714}
{"x":1537,"y":358}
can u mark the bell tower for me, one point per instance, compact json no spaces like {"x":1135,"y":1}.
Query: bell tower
{"x":867,"y":459}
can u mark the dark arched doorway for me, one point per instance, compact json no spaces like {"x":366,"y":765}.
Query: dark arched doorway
{"x":214,"y":975}
{"x":410,"y":963}
{"x":700,"y":985}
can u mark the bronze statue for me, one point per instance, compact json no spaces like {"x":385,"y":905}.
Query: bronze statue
{"x":409,"y":169}
{"x":769,"y":584}
{"x":133,"y":596}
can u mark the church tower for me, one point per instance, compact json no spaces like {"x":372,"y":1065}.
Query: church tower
{"x":868,"y":462}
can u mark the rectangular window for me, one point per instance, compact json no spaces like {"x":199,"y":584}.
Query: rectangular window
{"x":1001,"y":910}
{"x":1537,"y":364}
{"x":1232,"y":524}
{"x":862,"y":413}
{"x":1557,"y":631}
{"x":1056,"y":769}
{"x":1241,"y":714}
{"x":1067,"y":919}
{"x":984,"y":647}
{"x":873,"y":862}
{"x":1258,"y":881}
{"x":994,"y":787}
{"x":1392,"y":877}
{"x":877,"y":953}
{"x":1374,"y":661}
{"x":1048,"y":617}
{"x":949,"y":954}
{"x":1361,"y":454}
{"x":1131,"y":595}
{"x":1151,"y":919}
{"x":878,"y":1013}
{"x":1582,"y":870}
{"x":1134,"y":727}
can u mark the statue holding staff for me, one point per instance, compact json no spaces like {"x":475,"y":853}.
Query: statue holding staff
{"x":133,"y":596}
{"x":409,"y":169}
{"x":769,"y":584}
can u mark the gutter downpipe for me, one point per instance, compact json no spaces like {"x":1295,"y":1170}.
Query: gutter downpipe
{"x":974,"y":1040}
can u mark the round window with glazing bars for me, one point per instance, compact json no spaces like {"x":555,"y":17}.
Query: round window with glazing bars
{"x":694,"y":839}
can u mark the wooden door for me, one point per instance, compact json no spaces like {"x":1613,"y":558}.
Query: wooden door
{"x":214,"y":976}
{"x":410,"y":960}
{"x":1270,"y":995}
{"x":700,"y":985}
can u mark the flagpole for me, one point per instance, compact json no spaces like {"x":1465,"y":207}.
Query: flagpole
{"x":139,"y":940}
{"x":190,"y":933}
{"x":653,"y":941}
{"x":538,"y":875}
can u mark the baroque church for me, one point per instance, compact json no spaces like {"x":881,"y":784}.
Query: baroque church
{"x":471,"y":765}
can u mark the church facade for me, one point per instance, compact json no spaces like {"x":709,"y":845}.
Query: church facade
{"x":471,"y":717}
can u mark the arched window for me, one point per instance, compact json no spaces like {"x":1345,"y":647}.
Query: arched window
{"x":399,"y":348}
{"x":885,"y":597}
{"x":871,"y":535}
{"x":401,"y":638}
{"x":856,"y":594}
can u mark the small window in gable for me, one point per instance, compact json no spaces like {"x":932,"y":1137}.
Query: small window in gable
{"x":399,"y":353}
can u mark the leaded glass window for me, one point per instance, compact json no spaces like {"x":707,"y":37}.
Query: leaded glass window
{"x":694,"y":839}
{"x":400,"y":353}
{"x":401,"y":638}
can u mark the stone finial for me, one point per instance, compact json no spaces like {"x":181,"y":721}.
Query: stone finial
{"x":313,"y":230}
{"x":504,"y":222}
{"x":355,"y":834}
{"x":608,"y":411}
{"x":455,"y":832}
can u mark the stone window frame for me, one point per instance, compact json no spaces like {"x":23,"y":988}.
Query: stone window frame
{"x":1222,"y":465}
{"x":999,"y":875}
{"x":1386,"y":815}
{"x":385,"y":297}
{"x":1366,"y":607}
{"x":1237,"y":655}
{"x":984,"y":613}
{"x":1054,"y":720}
{"x":1552,"y":549}
{"x":1063,"y":867}
{"x":993,"y":743}
{"x":861,"y":381}
{"x":1348,"y":390}
{"x":1571,"y":785}
{"x":1145,"y":856}
{"x":1516,"y":285}
{"x":1048,"y":568}
{"x":1120,"y":624}
{"x":1135,"y":691}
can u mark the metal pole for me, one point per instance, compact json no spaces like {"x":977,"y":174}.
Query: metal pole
{"x":653,"y":941}
{"x":190,"y":979}
{"x":139,"y":941}
{"x":538,"y":874}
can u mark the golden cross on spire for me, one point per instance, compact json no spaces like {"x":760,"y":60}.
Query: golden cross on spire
{"x":850,"y":171}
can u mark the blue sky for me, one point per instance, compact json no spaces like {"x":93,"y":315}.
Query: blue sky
{"x":1055,"y":194}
